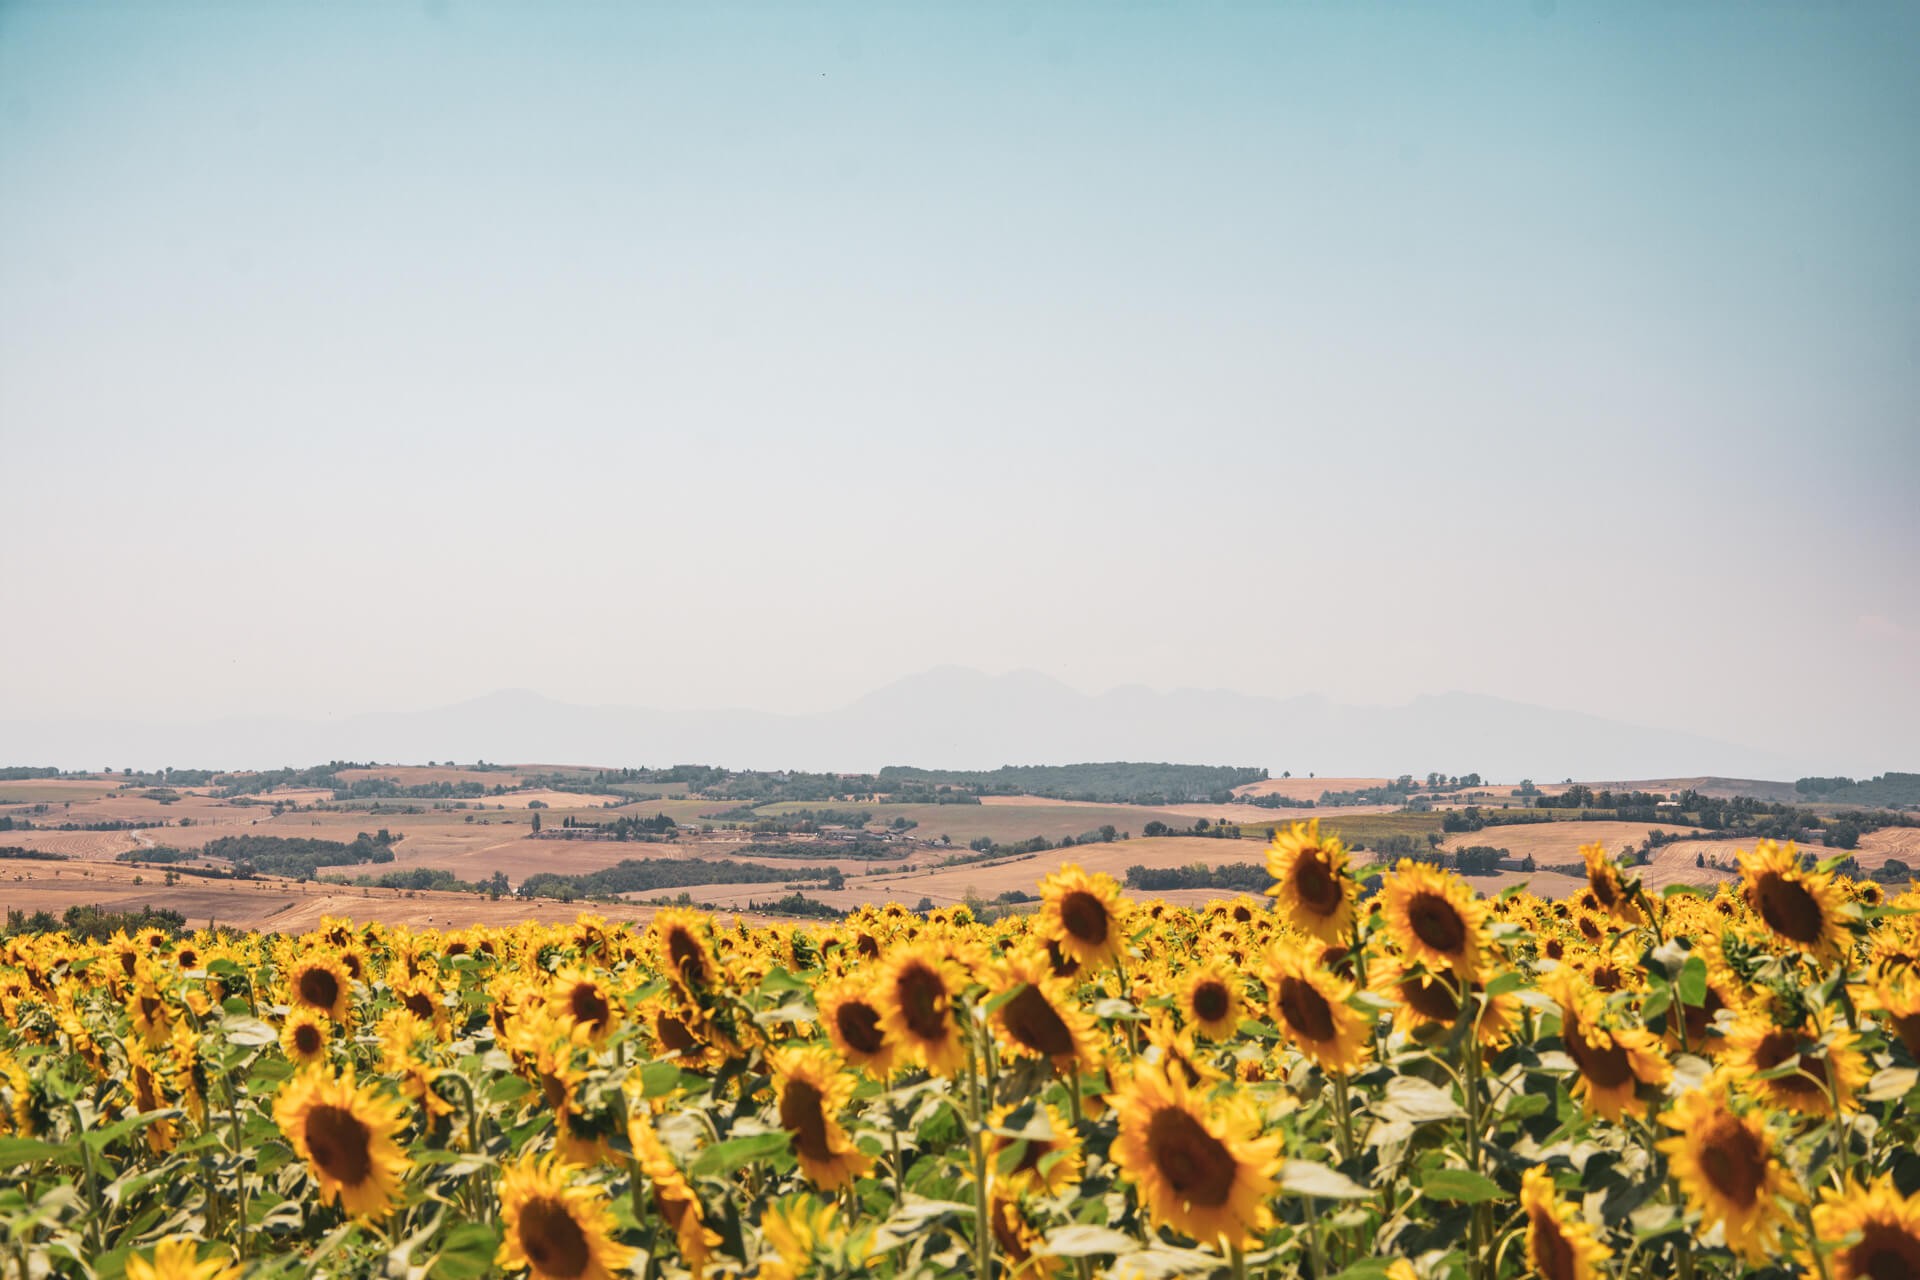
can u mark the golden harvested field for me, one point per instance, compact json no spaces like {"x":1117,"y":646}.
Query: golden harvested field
{"x":1558,"y":842}
{"x":74,"y":844}
{"x":1307,"y":788}
{"x":1889,"y":842}
{"x":52,"y":790}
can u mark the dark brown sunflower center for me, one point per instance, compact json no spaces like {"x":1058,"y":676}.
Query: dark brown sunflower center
{"x":923,"y":998}
{"x":1605,"y":977}
{"x":1600,"y":880}
{"x":1084,"y":916}
{"x":419,"y":1004}
{"x":1700,"y":1016}
{"x":1032,"y":1020}
{"x":1195,"y":1164}
{"x":1306,"y":1010}
{"x":554,"y":1089}
{"x":1589,"y":930}
{"x":552,"y":1240}
{"x":588,"y":1005}
{"x":1775,"y":1048}
{"x":867,"y":946}
{"x":146,"y":1097}
{"x":151,"y":1009}
{"x":189,"y":958}
{"x":1789,"y":909}
{"x":801,"y":1115}
{"x":352,"y":961}
{"x":1907,"y":1025}
{"x":1064,"y":965}
{"x":1733,"y":1160}
{"x":1552,"y":1253}
{"x":319,"y":988}
{"x":1887,"y":1251}
{"x":340,"y":1145}
{"x":860,"y":1027}
{"x":1314,"y":883}
{"x":1211,"y":1001}
{"x":688,"y":961}
{"x":1428,"y":997}
{"x":674,"y":1034}
{"x":306,"y":1038}
{"x":1436,"y":923}
{"x":1607,"y":1067}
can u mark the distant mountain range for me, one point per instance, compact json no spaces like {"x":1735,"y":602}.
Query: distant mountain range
{"x":949,"y":717}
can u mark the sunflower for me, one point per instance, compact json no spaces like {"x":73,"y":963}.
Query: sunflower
{"x":1085,"y":914}
{"x":1729,"y":1168}
{"x":672,"y":1195}
{"x":148,"y":1007}
{"x":800,"y":1229}
{"x":1171,"y":1049}
{"x":1612,"y":893}
{"x":16,"y":1098}
{"x":1019,"y":1240}
{"x":146,"y":1083}
{"x":1038,"y":1014}
{"x":1436,"y":918}
{"x":423,"y":998}
{"x":1877,"y":1231}
{"x":556,"y":1226}
{"x":1206,"y":1176}
{"x":1032,"y":1145}
{"x":319,"y":981}
{"x":1312,"y":887}
{"x":1899,"y":1003}
{"x":586,"y":1002}
{"x":811,"y":1091}
{"x":1803,"y":909}
{"x":346,"y":1135}
{"x":1310,"y":1009}
{"x":852,"y":1019}
{"x":682,"y":1030}
{"x":917,"y":992}
{"x":304,"y":1035}
{"x":680,"y":937}
{"x":1559,"y":1245}
{"x":1613,"y":1061}
{"x":1209,"y":996}
{"x":1757,"y":1045}
{"x":1428,"y":999}
{"x":178,"y":1258}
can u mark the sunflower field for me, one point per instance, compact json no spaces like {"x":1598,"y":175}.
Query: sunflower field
{"x":1413,"y":1083}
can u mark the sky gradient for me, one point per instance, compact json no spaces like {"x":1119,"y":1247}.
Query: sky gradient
{"x":363,"y":357}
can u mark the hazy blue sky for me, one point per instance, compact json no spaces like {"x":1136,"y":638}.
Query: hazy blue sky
{"x":368,"y":356}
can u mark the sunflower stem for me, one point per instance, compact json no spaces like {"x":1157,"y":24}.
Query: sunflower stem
{"x":1237,"y":1260}
{"x":1842,"y":1132}
{"x":976,"y":1139}
{"x":1344,"y":1111}
{"x":899,"y":1174}
{"x":239,"y":1167}
{"x":93,"y":1185}
{"x":1313,"y":1239}
{"x":1813,"y":1240}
